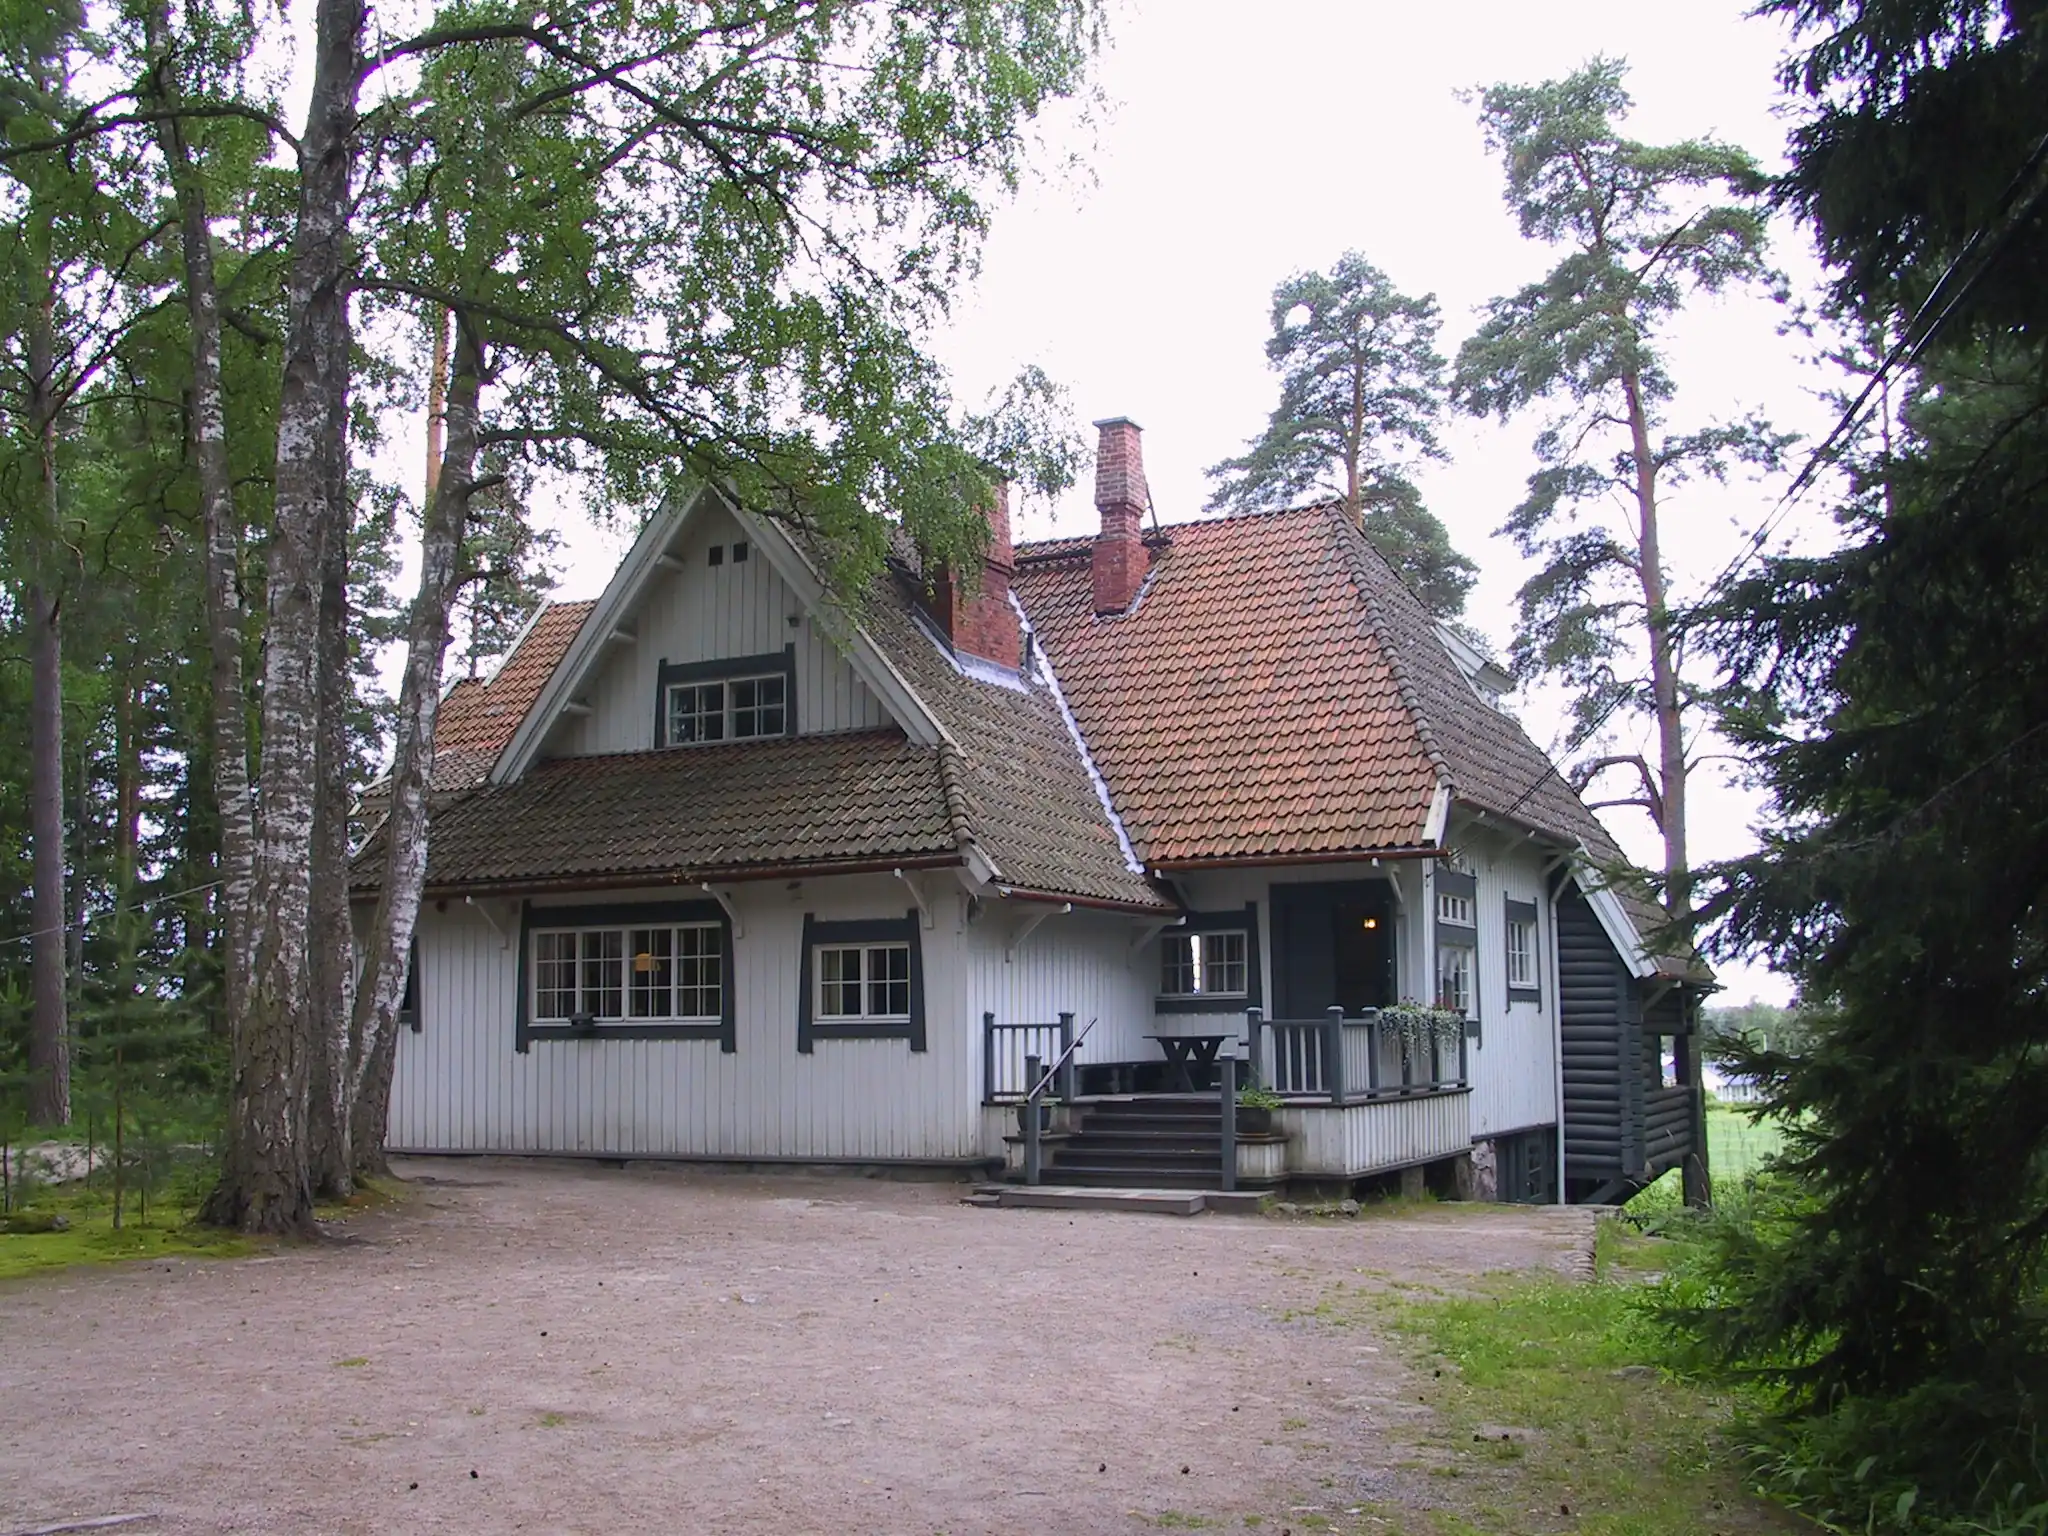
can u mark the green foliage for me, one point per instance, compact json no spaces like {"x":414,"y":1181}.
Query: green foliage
{"x":1361,"y":393}
{"x":1641,"y":230}
{"x":1887,"y":1291}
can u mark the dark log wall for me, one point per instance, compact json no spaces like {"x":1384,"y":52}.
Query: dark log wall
{"x":1621,"y":1126}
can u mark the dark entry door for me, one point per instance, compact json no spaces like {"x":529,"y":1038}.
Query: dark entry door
{"x":1333,"y":944}
{"x":1362,"y":941}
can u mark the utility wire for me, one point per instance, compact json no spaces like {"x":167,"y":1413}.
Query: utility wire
{"x":1927,"y":322}
{"x":100,"y":917}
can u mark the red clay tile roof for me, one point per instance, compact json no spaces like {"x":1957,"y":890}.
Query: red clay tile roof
{"x":479,"y":715}
{"x":1024,"y":793}
{"x":1246,"y":707}
{"x":1015,"y":787}
{"x":866,"y":797}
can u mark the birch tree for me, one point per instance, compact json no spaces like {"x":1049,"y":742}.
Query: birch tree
{"x":1640,"y":229}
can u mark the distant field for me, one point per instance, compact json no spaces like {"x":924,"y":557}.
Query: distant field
{"x":1736,"y":1147}
{"x":1736,"y":1144}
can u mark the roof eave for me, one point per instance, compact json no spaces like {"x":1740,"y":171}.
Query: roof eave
{"x":690,"y":876}
{"x":1319,"y":856}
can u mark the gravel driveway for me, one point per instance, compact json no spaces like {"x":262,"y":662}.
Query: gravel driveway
{"x":555,"y":1347}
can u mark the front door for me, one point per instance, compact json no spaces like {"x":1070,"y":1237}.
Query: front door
{"x":1333,"y":944}
{"x":1362,"y":942}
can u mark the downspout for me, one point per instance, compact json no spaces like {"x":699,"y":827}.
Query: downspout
{"x":1551,"y":888}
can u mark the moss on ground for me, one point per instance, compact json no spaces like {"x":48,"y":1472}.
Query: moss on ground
{"x":167,"y":1232}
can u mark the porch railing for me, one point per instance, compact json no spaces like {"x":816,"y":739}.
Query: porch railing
{"x":1008,"y":1048}
{"x":1356,"y":1060}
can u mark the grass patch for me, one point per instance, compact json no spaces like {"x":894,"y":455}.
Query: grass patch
{"x":159,"y":1228}
{"x":1596,"y":1441}
{"x":92,"y":1239}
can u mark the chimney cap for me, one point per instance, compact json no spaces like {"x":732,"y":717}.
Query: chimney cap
{"x":1116,"y":421}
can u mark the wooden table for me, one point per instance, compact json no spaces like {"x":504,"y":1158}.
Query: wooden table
{"x":1183,"y":1051}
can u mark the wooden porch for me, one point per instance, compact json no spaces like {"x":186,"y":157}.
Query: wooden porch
{"x":1358,"y":1098}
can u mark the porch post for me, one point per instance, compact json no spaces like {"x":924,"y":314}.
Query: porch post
{"x":1031,"y":1148}
{"x":1226,"y":1075}
{"x":1372,"y":1053}
{"x":1067,"y":1058}
{"x":1333,"y":1054}
{"x":988,"y":1058}
{"x":1254,"y":1021}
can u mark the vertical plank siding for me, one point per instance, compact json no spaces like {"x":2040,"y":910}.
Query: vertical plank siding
{"x":1514,"y":1061}
{"x":460,"y":1085}
{"x":704,"y":612}
{"x":1369,"y":1138}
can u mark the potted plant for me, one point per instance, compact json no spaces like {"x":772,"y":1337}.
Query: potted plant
{"x":1255,"y":1106}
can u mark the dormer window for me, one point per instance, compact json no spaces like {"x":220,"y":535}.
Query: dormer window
{"x":729,"y":711}
{"x":741,"y":699}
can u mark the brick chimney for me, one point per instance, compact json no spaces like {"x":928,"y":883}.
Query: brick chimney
{"x":1121,"y":498}
{"x":983,"y":623}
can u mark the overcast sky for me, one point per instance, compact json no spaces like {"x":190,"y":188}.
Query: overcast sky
{"x":1232,"y":152}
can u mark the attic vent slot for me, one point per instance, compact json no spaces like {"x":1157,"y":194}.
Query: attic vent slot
{"x":739,"y":551}
{"x":718,"y":554}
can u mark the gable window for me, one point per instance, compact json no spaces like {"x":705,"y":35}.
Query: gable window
{"x":1209,"y":962}
{"x":861,"y":980}
{"x":653,"y":971}
{"x":728,"y":711}
{"x":1521,"y":953}
{"x":1204,"y":964}
{"x":740,"y":699}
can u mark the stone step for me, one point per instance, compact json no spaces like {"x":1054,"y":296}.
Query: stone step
{"x":1123,"y":1176}
{"x":1137,"y":1157}
{"x":1052,"y":1197}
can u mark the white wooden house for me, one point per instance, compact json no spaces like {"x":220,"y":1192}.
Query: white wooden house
{"x":723,"y":869}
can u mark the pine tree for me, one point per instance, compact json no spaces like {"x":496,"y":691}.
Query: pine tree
{"x":1361,"y":394}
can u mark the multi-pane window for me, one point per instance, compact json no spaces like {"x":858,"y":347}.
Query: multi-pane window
{"x":1204,"y":964}
{"x":1521,"y":954}
{"x":609,"y":974}
{"x":863,"y":981}
{"x":1454,"y":978}
{"x":1454,"y":909}
{"x":757,"y":706}
{"x":735,"y":709}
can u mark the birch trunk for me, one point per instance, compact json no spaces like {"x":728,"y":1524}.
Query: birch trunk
{"x":412,"y":763}
{"x":264,"y":1184}
{"x":222,"y":530}
{"x":331,"y":946}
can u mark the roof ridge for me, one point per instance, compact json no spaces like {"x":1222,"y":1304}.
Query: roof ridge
{"x":1358,"y":549}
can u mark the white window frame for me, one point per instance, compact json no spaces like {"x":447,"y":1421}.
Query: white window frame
{"x":867,"y":982}
{"x":1199,"y":963}
{"x":730,"y":713}
{"x":587,"y":984}
{"x":1521,"y":954}
{"x":1455,"y":910}
{"x":1463,"y":963}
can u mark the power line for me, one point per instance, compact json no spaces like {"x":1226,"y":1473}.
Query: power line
{"x":1906,"y":351}
{"x":100,"y":917}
